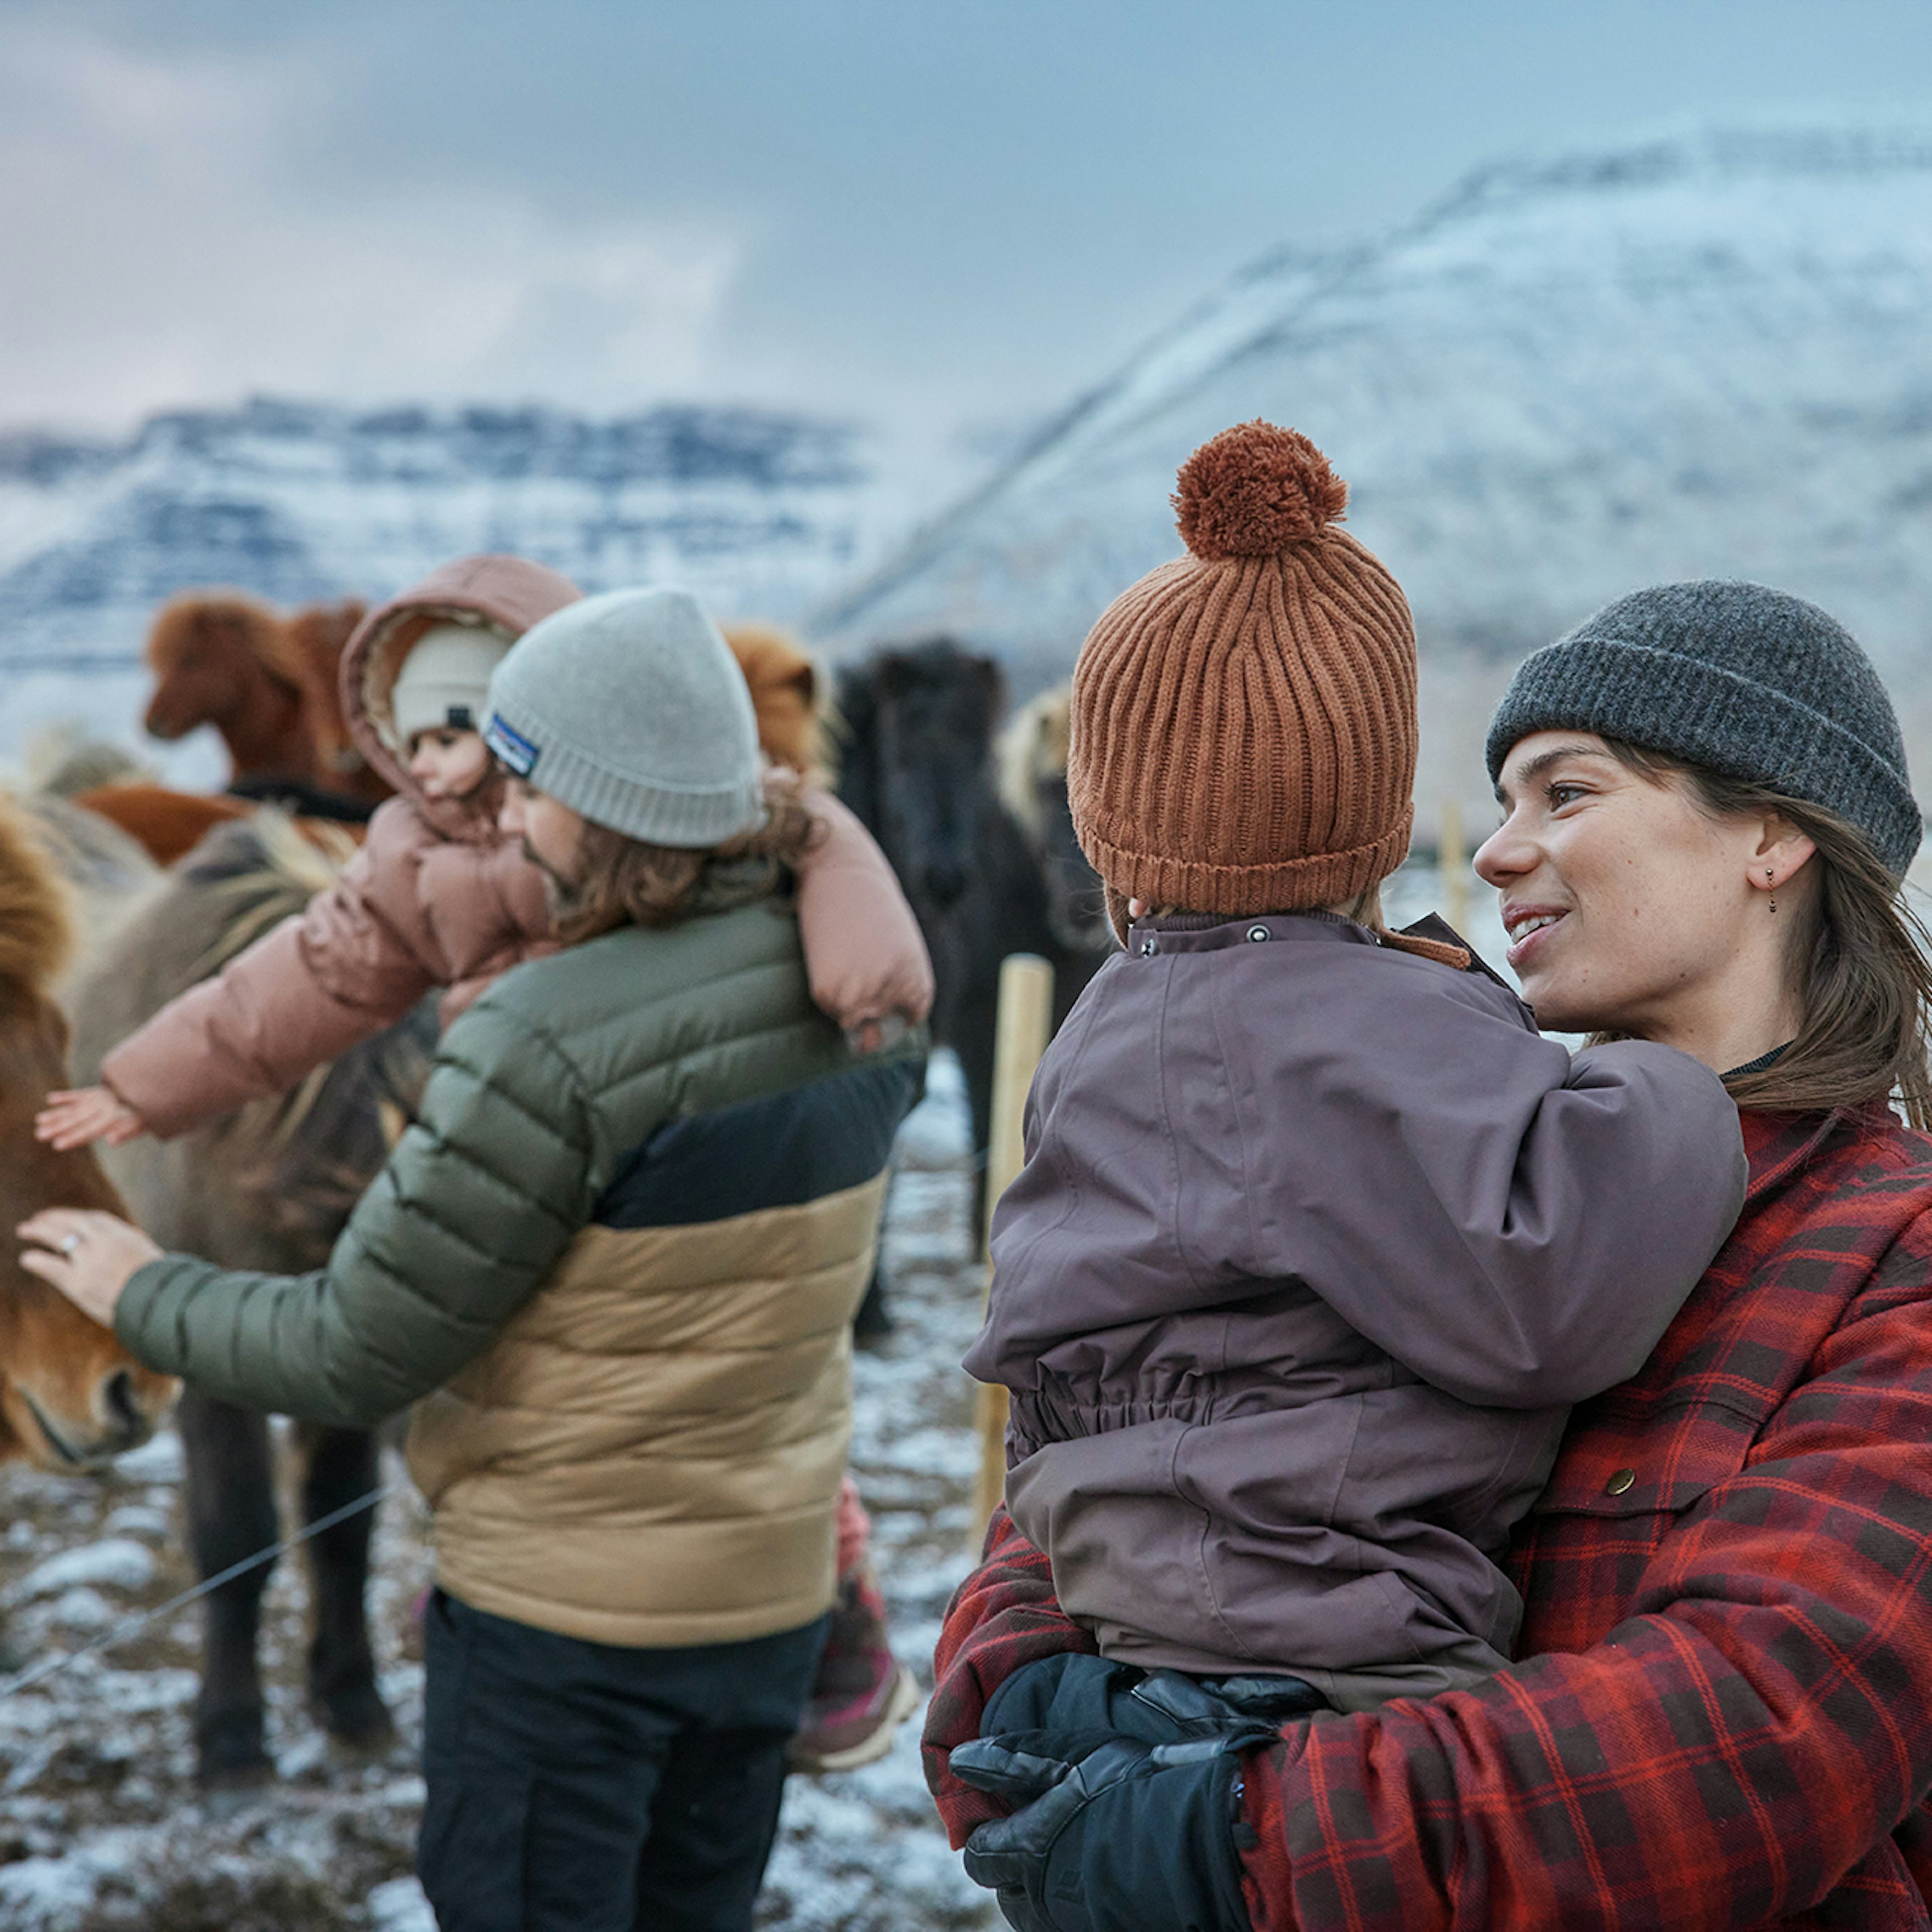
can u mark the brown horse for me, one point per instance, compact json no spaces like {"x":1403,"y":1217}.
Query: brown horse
{"x":224,"y":658}
{"x":167,"y":825}
{"x":785,"y":695}
{"x":318,"y":636}
{"x":268,"y":1188}
{"x":70,"y":1397}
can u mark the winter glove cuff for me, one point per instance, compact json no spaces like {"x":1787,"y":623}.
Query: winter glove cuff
{"x":1115,"y":1835}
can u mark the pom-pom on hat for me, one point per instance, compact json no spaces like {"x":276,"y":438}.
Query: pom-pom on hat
{"x":1244,"y":718}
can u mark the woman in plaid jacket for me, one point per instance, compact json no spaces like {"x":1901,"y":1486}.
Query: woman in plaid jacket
{"x":1721,"y":1714}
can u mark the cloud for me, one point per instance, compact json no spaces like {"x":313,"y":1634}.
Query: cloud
{"x":161,"y":241}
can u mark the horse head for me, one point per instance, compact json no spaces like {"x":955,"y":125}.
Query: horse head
{"x":921,"y":720}
{"x":784,"y":690}
{"x":224,"y":658}
{"x":71,"y":1396}
{"x":1032,"y":755}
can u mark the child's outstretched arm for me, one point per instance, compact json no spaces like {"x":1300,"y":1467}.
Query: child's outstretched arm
{"x":864,"y":956}
{"x":355,"y":962}
{"x":80,"y":1115}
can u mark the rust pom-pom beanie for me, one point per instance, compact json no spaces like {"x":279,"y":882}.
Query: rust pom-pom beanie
{"x":1244,"y":718}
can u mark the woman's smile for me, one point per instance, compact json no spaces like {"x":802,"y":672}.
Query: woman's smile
{"x":1528,"y":927}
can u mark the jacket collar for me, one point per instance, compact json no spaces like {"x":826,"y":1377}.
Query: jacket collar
{"x":1208,"y":932}
{"x":1779,"y":1147}
{"x":1433,"y":936}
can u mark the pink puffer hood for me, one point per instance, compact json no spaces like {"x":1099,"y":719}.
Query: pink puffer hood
{"x":511,"y":592}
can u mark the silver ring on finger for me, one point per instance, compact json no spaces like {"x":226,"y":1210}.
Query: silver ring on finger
{"x":69,"y":1243}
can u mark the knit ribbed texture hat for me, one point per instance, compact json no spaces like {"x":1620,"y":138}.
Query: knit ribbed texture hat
{"x":1753,"y":683}
{"x":1244,"y":718}
{"x":445,"y":679}
{"x":630,"y":708}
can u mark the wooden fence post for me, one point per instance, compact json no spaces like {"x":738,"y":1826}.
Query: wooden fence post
{"x":1019,"y":1038}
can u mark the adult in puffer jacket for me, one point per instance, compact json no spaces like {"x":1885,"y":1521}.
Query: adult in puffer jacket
{"x":438,"y":898}
{"x":613,"y":1265}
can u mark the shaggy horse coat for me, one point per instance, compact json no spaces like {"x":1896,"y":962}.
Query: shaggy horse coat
{"x":785,"y":689}
{"x":317,"y":636}
{"x":1032,"y":757}
{"x":917,"y":769}
{"x":71,"y":1396}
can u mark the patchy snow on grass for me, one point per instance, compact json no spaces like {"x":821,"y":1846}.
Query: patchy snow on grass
{"x":102,"y":1829}
{"x":115,"y":1563}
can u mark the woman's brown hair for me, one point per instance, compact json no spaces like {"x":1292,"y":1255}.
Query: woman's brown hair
{"x":623,"y":881}
{"x":1861,"y":960}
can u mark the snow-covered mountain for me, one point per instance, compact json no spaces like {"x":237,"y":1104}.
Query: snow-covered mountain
{"x":1709,"y":355}
{"x":760,"y":511}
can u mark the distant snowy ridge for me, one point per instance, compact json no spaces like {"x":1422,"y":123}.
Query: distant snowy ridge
{"x":759,"y":510}
{"x":1705,"y":354}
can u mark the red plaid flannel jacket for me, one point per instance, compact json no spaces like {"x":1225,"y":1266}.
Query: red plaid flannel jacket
{"x":1723,"y":1714}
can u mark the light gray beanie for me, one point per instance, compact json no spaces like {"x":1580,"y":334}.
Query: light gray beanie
{"x":630,"y":708}
{"x":1753,"y":683}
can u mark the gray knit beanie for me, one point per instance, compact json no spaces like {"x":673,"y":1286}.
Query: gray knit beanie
{"x":1751,"y":682}
{"x":630,"y":708}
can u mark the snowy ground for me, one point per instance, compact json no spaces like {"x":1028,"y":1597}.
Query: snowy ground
{"x":100,"y":1828}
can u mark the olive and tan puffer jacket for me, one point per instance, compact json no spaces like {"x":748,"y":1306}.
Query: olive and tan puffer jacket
{"x":615,"y":1265}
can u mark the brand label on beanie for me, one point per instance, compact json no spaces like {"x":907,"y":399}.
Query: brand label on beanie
{"x":511,"y":746}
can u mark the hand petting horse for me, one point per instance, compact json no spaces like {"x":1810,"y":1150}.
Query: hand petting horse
{"x":70,"y":1397}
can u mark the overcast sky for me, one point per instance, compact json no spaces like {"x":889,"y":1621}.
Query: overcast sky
{"x":956,"y":214}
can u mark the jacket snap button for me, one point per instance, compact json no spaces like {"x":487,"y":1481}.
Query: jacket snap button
{"x":1257,"y":932}
{"x":1620,"y":1482}
{"x":1147,"y":949}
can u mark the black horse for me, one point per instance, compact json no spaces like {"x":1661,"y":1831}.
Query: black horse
{"x":918,"y":768}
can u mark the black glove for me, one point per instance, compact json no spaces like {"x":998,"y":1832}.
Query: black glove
{"x":1072,"y":1693}
{"x":1116,"y":1835}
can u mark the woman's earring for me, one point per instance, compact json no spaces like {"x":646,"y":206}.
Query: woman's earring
{"x":1770,"y":880}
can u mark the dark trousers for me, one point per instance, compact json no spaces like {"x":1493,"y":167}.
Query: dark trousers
{"x":586,"y":1787}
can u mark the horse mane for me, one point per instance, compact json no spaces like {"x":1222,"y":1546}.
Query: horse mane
{"x":855,"y":742}
{"x":227,"y":619}
{"x":63,"y":759}
{"x":254,"y":872}
{"x":784,"y":686}
{"x":1033,"y":747}
{"x":37,"y":920}
{"x":867,"y":687}
{"x":317,"y":635}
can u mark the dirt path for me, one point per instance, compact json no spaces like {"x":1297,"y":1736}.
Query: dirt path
{"x":100,"y":1825}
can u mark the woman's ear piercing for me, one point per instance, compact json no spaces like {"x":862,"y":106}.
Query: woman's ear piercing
{"x":1771,"y":880}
